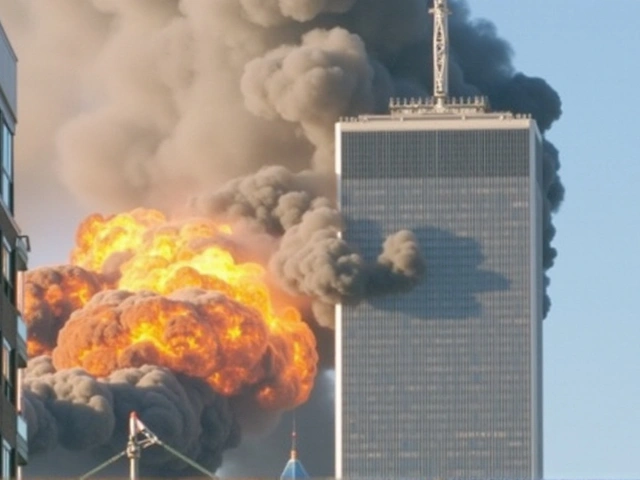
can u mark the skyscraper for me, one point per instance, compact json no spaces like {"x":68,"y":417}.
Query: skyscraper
{"x":13,"y":259}
{"x":444,"y":381}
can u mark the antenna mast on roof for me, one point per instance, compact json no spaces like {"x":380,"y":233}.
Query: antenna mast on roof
{"x":440,"y":103}
{"x":440,"y":52}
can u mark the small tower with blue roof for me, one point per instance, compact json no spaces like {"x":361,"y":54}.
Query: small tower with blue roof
{"x":294,"y":468}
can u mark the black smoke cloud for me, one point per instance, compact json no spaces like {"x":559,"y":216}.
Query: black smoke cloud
{"x":150,"y":101}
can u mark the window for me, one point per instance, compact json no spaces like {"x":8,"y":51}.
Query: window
{"x":8,"y":269}
{"x":8,"y":370}
{"x":6,"y":152}
{"x":6,"y":460}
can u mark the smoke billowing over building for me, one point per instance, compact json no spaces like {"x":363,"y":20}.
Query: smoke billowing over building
{"x":223,"y":111}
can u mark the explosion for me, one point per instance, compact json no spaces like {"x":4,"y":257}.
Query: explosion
{"x":234,"y":101}
{"x":144,"y":290}
{"x":51,"y":295}
{"x":153,"y":310}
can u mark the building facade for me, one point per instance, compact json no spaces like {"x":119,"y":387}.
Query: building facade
{"x":13,"y":259}
{"x":444,"y":381}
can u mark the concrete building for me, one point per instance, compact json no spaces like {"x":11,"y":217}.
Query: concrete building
{"x":13,"y":259}
{"x":445,"y":381}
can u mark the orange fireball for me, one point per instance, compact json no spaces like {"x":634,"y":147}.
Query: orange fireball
{"x":51,"y":294}
{"x":99,"y":238}
{"x":179,"y":299}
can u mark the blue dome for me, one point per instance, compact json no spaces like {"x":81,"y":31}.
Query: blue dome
{"x":294,"y":469}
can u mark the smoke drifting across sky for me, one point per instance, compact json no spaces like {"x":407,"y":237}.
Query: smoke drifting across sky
{"x":147,"y":102}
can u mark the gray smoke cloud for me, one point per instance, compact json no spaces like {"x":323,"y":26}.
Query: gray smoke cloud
{"x":170,"y":96}
{"x":72,"y":409}
{"x":147,"y":102}
{"x":312,"y":84}
{"x":311,"y":259}
{"x":271,"y":13}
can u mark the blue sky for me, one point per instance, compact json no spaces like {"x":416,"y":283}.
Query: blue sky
{"x":587,"y":50}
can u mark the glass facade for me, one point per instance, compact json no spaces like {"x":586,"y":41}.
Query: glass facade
{"x":7,"y":461}
{"x":6,"y":185}
{"x":13,"y":259}
{"x":444,"y":381}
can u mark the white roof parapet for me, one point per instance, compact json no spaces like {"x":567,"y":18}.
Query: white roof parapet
{"x":440,"y":116}
{"x":431,"y":105}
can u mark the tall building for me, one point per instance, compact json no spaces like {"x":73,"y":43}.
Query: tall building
{"x":444,"y":381}
{"x":13,"y":259}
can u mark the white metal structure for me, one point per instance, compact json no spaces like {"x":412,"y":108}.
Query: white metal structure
{"x":439,"y":104}
{"x":440,"y":52}
{"x":140,"y":437}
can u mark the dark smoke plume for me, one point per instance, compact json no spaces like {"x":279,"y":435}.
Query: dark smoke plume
{"x":310,"y":258}
{"x":72,"y":409}
{"x":147,"y":102}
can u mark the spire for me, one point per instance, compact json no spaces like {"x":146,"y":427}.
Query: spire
{"x":294,"y":469}
{"x":440,"y":52}
{"x":294,"y":452}
{"x":440,"y":103}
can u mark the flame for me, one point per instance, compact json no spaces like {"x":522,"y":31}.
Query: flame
{"x":177,"y":298}
{"x":50,"y":296}
{"x":98,"y":238}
